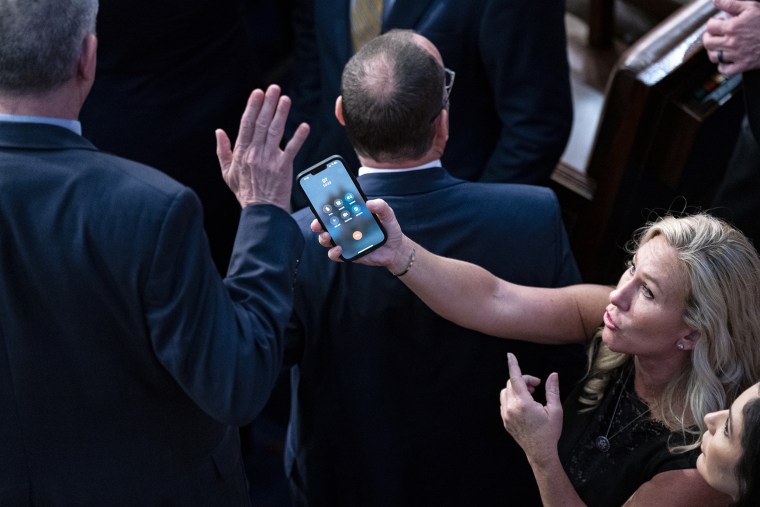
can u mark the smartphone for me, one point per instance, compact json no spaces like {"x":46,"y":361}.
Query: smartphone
{"x":339,"y":204}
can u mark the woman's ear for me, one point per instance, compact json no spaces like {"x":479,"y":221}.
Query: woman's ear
{"x":689,"y":341}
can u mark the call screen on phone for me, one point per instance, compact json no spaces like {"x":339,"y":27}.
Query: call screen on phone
{"x":340,"y":206}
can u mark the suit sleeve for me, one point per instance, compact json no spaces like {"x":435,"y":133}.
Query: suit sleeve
{"x":222,"y":340}
{"x":523,"y":46}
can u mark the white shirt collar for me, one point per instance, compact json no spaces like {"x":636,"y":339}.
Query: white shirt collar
{"x":370,"y":170}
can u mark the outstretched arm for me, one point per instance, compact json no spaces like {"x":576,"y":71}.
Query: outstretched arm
{"x":474,"y":298}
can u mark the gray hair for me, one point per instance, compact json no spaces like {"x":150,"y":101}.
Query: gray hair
{"x":40,"y":42}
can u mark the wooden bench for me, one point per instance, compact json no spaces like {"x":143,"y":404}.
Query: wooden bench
{"x":667,"y":126}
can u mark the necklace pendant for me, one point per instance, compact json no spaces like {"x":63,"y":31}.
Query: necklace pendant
{"x":602,"y":443}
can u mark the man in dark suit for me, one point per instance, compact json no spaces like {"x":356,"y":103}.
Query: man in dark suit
{"x":511,"y":111}
{"x":393,"y":405}
{"x":126,"y":362}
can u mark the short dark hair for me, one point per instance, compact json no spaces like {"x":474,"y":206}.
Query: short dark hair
{"x":748,"y":466}
{"x":392,"y":91}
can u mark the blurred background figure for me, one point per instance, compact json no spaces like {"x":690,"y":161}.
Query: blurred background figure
{"x":171,"y":72}
{"x":733,"y":43}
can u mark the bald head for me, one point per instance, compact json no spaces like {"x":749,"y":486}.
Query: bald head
{"x":392,"y":94}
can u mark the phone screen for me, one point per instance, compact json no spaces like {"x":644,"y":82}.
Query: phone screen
{"x":340,"y":206}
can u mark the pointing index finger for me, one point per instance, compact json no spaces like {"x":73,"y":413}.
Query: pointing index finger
{"x":515,"y":376}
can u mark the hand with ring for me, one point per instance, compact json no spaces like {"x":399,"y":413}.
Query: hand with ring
{"x":732,"y":39}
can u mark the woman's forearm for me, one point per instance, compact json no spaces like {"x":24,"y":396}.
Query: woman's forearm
{"x":472,"y":297}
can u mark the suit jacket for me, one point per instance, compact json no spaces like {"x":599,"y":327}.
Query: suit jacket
{"x":511,"y":107}
{"x":393,"y":405}
{"x":126,"y":362}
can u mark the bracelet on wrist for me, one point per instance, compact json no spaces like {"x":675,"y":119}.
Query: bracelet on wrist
{"x":409,"y":265}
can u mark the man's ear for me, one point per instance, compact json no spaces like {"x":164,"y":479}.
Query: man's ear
{"x":88,"y":58}
{"x":441,"y":135}
{"x":339,"y":110}
{"x":442,"y":125}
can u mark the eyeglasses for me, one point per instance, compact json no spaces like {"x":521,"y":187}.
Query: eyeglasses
{"x":448,"y":84}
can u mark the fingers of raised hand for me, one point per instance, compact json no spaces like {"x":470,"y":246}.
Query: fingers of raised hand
{"x":295,"y":143}
{"x":223,"y":150}
{"x":266,"y":116}
{"x":277,"y":124}
{"x":248,"y":121}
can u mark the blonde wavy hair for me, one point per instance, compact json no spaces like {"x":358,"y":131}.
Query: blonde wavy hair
{"x":722,"y":302}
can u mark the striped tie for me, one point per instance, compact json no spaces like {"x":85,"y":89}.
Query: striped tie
{"x":366,"y":21}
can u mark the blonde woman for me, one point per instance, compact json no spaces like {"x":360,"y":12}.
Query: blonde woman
{"x":678,"y":340}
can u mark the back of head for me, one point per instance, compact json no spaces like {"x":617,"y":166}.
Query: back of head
{"x":40,"y":42}
{"x":722,"y":302}
{"x":392,"y":93}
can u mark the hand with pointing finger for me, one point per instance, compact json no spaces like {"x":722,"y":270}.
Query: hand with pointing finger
{"x":535,"y":427}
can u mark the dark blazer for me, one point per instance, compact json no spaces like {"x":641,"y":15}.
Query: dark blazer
{"x":126,"y":362}
{"x":511,"y":108}
{"x":393,"y":405}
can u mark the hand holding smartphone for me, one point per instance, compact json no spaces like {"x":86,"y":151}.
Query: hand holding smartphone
{"x":339,"y":204}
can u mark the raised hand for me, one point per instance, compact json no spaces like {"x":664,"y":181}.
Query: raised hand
{"x":257,"y":170}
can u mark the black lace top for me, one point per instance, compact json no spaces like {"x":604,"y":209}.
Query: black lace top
{"x":608,"y":473}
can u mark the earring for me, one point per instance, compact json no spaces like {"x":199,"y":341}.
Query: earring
{"x":680,"y":346}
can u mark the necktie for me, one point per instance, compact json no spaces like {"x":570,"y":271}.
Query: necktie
{"x":366,"y":21}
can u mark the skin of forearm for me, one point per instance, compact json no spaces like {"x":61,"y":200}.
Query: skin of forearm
{"x":472,"y":297}
{"x":553,"y":484}
{"x":458,"y":291}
